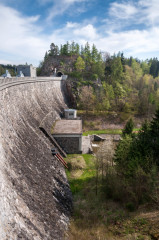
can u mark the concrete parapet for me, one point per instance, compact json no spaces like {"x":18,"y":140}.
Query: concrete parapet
{"x":9,"y":82}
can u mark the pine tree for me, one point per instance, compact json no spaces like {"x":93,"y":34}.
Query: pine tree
{"x":123,"y":61}
{"x":65,"y":49}
{"x":82,"y":50}
{"x":116,"y":70}
{"x":72,"y":48}
{"x":87,"y":54}
{"x":155,"y":86}
{"x":128,"y":129}
{"x":154,"y":132}
{"x":54,"y":50}
{"x":61,"y":49}
{"x":46,"y":56}
{"x":154,"y":68}
{"x":94,"y":53}
{"x":77,"y":47}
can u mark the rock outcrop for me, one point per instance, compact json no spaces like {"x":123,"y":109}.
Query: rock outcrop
{"x":61,"y":63}
{"x":35,"y":198}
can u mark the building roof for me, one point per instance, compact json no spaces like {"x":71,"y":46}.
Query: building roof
{"x":70,"y":110}
{"x":68,"y":127}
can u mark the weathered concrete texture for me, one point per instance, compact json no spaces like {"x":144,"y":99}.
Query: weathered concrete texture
{"x":86,"y":144}
{"x":35,"y":199}
{"x":68,"y":127}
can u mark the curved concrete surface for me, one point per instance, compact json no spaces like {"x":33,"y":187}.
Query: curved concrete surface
{"x":35,"y":199}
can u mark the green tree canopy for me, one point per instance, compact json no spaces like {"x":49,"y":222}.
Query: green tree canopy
{"x":80,"y":64}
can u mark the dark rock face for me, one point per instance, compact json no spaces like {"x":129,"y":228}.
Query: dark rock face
{"x":35,"y":198}
{"x":61,"y":63}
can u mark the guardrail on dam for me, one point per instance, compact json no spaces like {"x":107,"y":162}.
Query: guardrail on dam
{"x":35,"y":198}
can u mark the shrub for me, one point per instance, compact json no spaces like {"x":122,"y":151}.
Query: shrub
{"x":130,"y":206}
{"x":131,"y":191}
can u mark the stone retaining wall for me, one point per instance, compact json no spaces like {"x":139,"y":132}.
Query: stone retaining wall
{"x":69,"y":144}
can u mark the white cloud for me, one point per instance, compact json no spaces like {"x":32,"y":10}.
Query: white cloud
{"x":149,"y":11}
{"x":73,"y":1}
{"x":123,"y":10}
{"x":143,"y":17}
{"x":88,"y":32}
{"x":71,"y":25}
{"x":20,"y":36}
{"x":134,"y":43}
{"x":136,"y":12}
{"x":59,"y":7}
{"x":2,"y":61}
{"x":22,"y":40}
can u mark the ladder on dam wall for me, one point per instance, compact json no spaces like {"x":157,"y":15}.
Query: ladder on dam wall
{"x":58,"y":157}
{"x":53,"y":141}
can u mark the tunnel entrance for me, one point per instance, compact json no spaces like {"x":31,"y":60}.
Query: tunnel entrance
{"x":59,"y":74}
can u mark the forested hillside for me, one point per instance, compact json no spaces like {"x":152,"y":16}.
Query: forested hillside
{"x":113,"y":83}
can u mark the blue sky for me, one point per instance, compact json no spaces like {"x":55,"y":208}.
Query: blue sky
{"x":28,"y":27}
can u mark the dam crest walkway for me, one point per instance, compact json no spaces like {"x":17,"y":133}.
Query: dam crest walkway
{"x":10,"y":82}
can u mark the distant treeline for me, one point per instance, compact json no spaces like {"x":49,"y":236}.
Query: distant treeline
{"x":149,"y":66}
{"x":11,"y":68}
{"x":73,"y":48}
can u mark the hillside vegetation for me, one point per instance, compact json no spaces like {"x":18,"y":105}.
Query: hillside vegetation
{"x":115,"y":194}
{"x":101,"y":82}
{"x":106,"y":201}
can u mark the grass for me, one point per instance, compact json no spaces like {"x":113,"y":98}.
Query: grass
{"x":106,"y":131}
{"x":94,"y":216}
{"x":86,"y":172}
{"x":95,"y":113}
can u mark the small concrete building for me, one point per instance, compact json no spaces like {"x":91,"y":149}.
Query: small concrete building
{"x":68,"y":134}
{"x":27,"y":70}
{"x":70,"y":113}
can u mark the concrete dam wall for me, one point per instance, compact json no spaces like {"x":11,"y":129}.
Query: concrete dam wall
{"x":35,"y":199}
